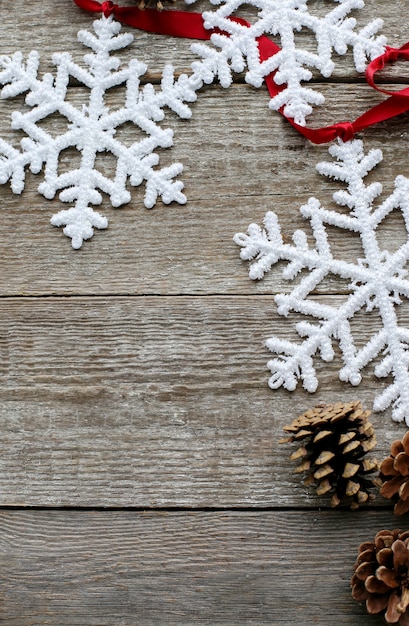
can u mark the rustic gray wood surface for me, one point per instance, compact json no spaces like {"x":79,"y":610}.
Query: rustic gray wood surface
{"x":141,"y":477}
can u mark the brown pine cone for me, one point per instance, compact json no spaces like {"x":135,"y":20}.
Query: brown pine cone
{"x":381,"y":576}
{"x":394,"y":473}
{"x":334,"y":439}
{"x":154,"y":4}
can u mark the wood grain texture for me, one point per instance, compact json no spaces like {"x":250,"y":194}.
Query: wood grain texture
{"x":52,"y":26}
{"x":133,"y":372}
{"x":143,"y":568}
{"x":154,"y":402}
{"x":240,"y":161}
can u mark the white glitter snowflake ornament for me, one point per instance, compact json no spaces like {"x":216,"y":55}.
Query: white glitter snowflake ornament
{"x":91,"y":129}
{"x":377,"y":282}
{"x":237,"y":47}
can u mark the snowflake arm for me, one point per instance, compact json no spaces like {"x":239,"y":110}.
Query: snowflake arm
{"x":12,"y":166}
{"x":16,"y":76}
{"x":292,"y":365}
{"x":378,"y":281}
{"x":78,"y":221}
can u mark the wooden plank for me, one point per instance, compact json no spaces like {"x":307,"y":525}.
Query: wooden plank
{"x":154,"y":402}
{"x":237,"y":166}
{"x":142,"y":568}
{"x":52,"y":27}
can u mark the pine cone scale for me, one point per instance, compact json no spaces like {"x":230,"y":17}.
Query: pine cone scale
{"x":324,"y":457}
{"x":352,"y":488}
{"x":384,"y":556}
{"x":392,"y":486}
{"x":345,"y":437}
{"x":387,"y":467}
{"x":387,"y":576}
{"x":298,"y":454}
{"x":321,"y":435}
{"x":401,"y":507}
{"x":365,"y":547}
{"x":350,"y":469}
{"x":375,"y":604}
{"x":374,"y":585}
{"x":365,"y":556}
{"x":392,"y":614}
{"x":359,"y":593}
{"x":404,"y":491}
{"x":322,"y":471}
{"x":404,"y":601}
{"x":400,"y":554}
{"x":385,"y":539}
{"x":364,"y":570}
{"x":350,"y":446}
{"x":324,"y":487}
{"x":401,"y":463}
{"x":396,"y":448}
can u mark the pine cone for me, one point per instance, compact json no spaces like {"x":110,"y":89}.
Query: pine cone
{"x":154,"y":4}
{"x":395,"y":474}
{"x":381,"y":576}
{"x":335,"y":438}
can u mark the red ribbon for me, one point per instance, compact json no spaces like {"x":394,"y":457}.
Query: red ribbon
{"x":173,"y":23}
{"x":397,"y":103}
{"x":191,"y":26}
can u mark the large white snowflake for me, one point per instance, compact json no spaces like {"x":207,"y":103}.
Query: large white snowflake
{"x":91,"y":129}
{"x":377,"y":281}
{"x":237,"y":47}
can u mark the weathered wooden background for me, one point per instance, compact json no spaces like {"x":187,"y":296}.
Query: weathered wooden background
{"x":141,"y":480}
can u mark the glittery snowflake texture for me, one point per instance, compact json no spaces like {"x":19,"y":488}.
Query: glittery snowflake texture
{"x":377,"y":282}
{"x":283,"y":19}
{"x":91,"y":129}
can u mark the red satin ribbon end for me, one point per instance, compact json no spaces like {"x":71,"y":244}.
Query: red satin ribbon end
{"x":344,"y":130}
{"x":108,"y":8}
{"x":392,"y":54}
